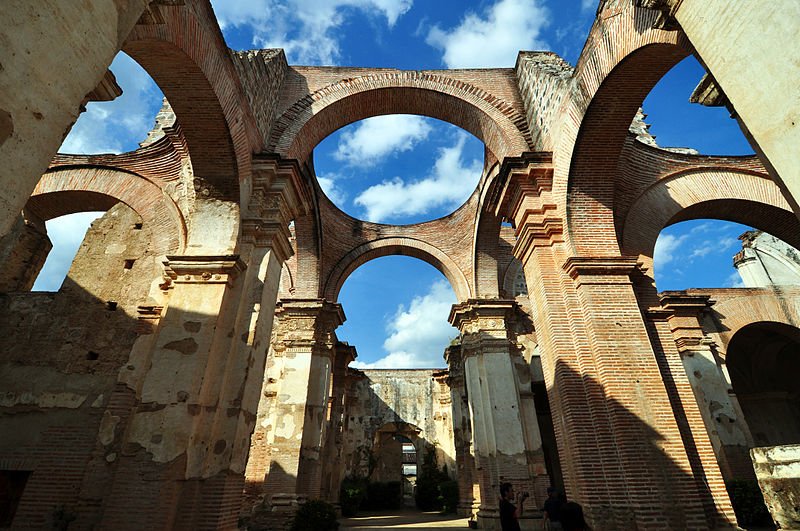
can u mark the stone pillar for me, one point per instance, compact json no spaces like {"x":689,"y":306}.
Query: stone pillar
{"x":55,"y":59}
{"x":196,"y":377}
{"x":504,"y":449}
{"x":468,"y":489}
{"x":620,"y":446}
{"x":23,"y":252}
{"x":753,"y":69}
{"x":305,"y":341}
{"x":333,"y":464}
{"x":717,"y":410}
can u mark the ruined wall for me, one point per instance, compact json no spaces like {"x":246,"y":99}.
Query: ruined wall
{"x":401,"y":396}
{"x":60,"y":354}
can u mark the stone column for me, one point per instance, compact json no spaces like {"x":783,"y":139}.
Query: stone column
{"x":305,"y":341}
{"x":715,"y":406}
{"x":197,"y":377}
{"x":333,"y":465}
{"x":620,"y":445}
{"x":468,"y":489}
{"x":55,"y":58}
{"x":504,"y":449}
{"x":23,"y":252}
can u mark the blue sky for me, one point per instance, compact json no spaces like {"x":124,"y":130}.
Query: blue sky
{"x":407,"y":169}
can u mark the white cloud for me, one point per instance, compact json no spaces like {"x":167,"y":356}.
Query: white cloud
{"x":418,"y":335}
{"x":331,"y":189}
{"x":375,"y":138}
{"x":119,"y":125}
{"x":666,"y":247}
{"x":66,"y":233}
{"x":588,"y":4}
{"x":450,"y":184}
{"x":734,"y":280}
{"x":305,"y":29}
{"x":493,"y":40}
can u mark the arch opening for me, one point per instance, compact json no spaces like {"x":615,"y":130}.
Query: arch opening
{"x":397,"y":309}
{"x":123,"y":123}
{"x":400,"y":169}
{"x":677,"y":123}
{"x":763,"y":361}
{"x":66,"y":234}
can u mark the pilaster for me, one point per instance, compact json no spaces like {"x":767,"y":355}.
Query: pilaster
{"x":504,"y":450}
{"x":305,"y":341}
{"x":711,"y":399}
{"x":468,"y":487}
{"x":613,"y":418}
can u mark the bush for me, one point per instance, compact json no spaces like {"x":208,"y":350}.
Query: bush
{"x":448,"y":496}
{"x":748,"y":503}
{"x":315,"y":515}
{"x":352,"y":494}
{"x":380,"y":495}
{"x":427,"y":495}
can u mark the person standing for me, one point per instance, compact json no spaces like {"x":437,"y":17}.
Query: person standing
{"x":552,"y":511}
{"x":510,"y":513}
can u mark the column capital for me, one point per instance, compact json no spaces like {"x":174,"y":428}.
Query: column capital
{"x":485,"y":324}
{"x":261,"y":233}
{"x":601,"y":269}
{"x":308,"y":323}
{"x":202,"y":269}
{"x":523,"y":194}
{"x":280,"y":193}
{"x":685,"y":314}
{"x":667,"y":8}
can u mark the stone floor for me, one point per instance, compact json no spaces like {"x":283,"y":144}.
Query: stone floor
{"x":408,"y":519}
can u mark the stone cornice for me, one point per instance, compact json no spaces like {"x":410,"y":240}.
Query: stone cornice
{"x":203,"y":269}
{"x":601,"y":269}
{"x":307,"y":324}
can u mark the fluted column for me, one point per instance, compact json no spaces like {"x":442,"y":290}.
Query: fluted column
{"x":715,"y":412}
{"x":333,"y":464}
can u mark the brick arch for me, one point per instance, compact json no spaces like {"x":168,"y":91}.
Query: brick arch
{"x":626,"y":58}
{"x":396,"y":246}
{"x":716,"y":193}
{"x":188,"y":59}
{"x":83,"y":189}
{"x":736,"y":313}
{"x":301,"y":127}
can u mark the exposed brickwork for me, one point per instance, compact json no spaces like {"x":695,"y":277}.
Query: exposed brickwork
{"x":303,"y":125}
{"x":148,"y":408}
{"x":188,"y":59}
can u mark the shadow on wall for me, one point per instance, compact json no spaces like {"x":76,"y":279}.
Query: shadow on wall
{"x":60,"y":356}
{"x":644,"y":487}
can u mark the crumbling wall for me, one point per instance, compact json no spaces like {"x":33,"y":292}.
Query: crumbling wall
{"x":60,"y":355}
{"x":399,"y":396}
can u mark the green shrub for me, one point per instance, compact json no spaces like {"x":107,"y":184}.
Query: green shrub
{"x":315,"y":515}
{"x":448,"y":496}
{"x":352,"y":494}
{"x":748,"y":503}
{"x":427,"y":495}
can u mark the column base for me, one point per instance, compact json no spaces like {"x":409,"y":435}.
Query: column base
{"x":276,"y":513}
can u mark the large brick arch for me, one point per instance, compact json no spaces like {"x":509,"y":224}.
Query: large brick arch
{"x":496,"y":123}
{"x":83,"y":189}
{"x":736,"y":309}
{"x":623,"y":60}
{"x":396,"y":246}
{"x":716,"y":193}
{"x":188,"y":59}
